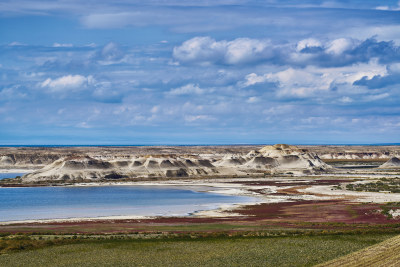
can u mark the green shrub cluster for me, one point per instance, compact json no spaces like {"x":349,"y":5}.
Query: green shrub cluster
{"x":391,"y":185}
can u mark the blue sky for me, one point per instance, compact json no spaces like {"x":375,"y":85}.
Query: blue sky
{"x":199,"y":72}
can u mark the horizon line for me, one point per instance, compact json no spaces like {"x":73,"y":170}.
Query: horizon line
{"x":231,"y":144}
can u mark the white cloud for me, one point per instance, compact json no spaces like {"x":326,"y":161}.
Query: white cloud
{"x":11,"y":92}
{"x":300,"y":83}
{"x":338,"y":46}
{"x":207,"y":50}
{"x":332,"y":52}
{"x":389,"y":32}
{"x":308,"y":43}
{"x":253,"y":78}
{"x":193,"y":118}
{"x":375,"y":97}
{"x":188,"y":89}
{"x":310,"y":80}
{"x":67,"y":82}
{"x":199,"y":49}
{"x":16,"y":44}
{"x":111,"y":51}
{"x":346,"y":100}
{"x":62,"y":45}
{"x":382,"y":8}
{"x":253,"y":99}
{"x":392,"y":8}
{"x":279,"y":110}
{"x":295,"y":82}
{"x":243,"y":50}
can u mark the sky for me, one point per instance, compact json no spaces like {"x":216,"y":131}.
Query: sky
{"x":153,"y":72}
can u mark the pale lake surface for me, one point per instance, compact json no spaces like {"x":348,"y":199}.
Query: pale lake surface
{"x":32,"y":203}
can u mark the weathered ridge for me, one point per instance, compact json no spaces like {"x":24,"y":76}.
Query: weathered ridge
{"x":269,"y":159}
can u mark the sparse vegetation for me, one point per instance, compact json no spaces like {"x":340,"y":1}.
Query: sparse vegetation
{"x":388,"y":208}
{"x":391,"y":185}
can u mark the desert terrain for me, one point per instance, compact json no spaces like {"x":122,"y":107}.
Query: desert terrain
{"x":299,"y":190}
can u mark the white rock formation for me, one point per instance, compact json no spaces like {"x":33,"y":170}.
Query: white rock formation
{"x":272,"y":159}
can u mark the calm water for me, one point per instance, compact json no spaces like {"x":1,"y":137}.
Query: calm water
{"x":10,"y":175}
{"x":69,"y":202}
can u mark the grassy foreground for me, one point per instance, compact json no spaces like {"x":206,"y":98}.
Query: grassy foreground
{"x":216,"y":251}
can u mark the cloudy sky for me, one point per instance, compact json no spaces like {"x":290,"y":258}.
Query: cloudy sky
{"x":199,"y":72}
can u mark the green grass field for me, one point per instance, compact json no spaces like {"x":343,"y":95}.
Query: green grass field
{"x":216,"y":251}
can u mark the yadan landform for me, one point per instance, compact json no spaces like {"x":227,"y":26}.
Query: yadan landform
{"x":310,"y":192}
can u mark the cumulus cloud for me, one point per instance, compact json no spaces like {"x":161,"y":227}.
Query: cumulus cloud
{"x":378,"y":81}
{"x":338,"y":46}
{"x":308,"y":45}
{"x":391,"y":77}
{"x":207,"y":50}
{"x":310,"y":51}
{"x":343,"y":51}
{"x":294,"y":82}
{"x":67,"y":82}
{"x":300,"y":83}
{"x":306,"y":82}
{"x":254,"y":79}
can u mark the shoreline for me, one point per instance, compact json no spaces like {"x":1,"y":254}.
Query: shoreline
{"x":261,"y":191}
{"x":21,"y":170}
{"x":220,"y":210}
{"x":223,"y":210}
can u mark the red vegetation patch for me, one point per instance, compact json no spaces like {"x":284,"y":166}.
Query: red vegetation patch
{"x":317,"y":211}
{"x":296,"y":182}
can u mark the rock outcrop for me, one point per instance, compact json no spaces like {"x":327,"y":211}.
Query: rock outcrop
{"x":270,"y":159}
{"x":87,"y":168}
{"x":26,"y":160}
{"x":283,"y":157}
{"x":394,"y":162}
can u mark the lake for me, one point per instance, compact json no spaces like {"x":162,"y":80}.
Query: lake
{"x":11,"y":175}
{"x":31,"y":203}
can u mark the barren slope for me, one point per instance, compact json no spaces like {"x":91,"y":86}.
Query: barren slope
{"x":385,"y":254}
